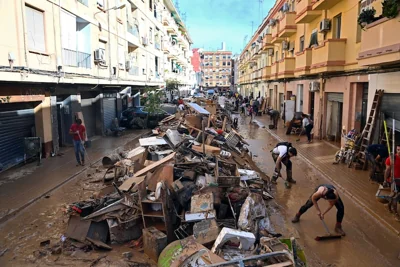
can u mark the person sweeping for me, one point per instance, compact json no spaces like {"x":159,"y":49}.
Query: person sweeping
{"x":329,"y":193}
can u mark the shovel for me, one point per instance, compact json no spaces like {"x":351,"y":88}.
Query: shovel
{"x":329,"y":236}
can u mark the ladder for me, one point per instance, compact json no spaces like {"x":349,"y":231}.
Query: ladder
{"x":367,"y":135}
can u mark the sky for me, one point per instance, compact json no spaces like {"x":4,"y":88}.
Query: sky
{"x":211,"y":22}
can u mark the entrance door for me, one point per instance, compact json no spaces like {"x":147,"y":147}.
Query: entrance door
{"x":271,"y":93}
{"x":299,"y":98}
{"x":281,"y":101}
{"x":110,"y":111}
{"x":364,"y":106}
{"x":334,"y":116}
{"x":311,"y":108}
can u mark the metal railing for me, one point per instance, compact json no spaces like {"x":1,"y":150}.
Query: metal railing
{"x":76,"y":59}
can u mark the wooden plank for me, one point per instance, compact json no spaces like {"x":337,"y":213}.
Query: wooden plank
{"x":209,"y":149}
{"x":198,"y":109}
{"x":127,"y":184}
{"x":224,"y":124}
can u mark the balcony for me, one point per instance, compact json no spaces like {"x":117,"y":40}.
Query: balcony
{"x":275,"y":34}
{"x":133,"y":36}
{"x":286,"y":68}
{"x":305,"y":12}
{"x":303,"y":62}
{"x":380,"y":43}
{"x":287,"y":26}
{"x":324,"y":4}
{"x":274,"y":70}
{"x":266,"y":73}
{"x":257,"y":55}
{"x":329,"y":57}
{"x":76,"y":59}
{"x":258,"y":74}
{"x":165,"y":47}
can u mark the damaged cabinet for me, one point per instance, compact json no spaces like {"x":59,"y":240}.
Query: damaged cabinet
{"x":156,"y":213}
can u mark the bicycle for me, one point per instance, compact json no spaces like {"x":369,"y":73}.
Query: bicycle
{"x":347,"y":153}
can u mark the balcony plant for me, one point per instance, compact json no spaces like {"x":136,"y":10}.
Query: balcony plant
{"x":366,"y":16}
{"x":390,"y":8}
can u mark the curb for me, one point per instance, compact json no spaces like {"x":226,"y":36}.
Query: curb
{"x":358,"y":201}
{"x":32,"y":201}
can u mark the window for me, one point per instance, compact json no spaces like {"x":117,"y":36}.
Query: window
{"x":358,"y":34}
{"x":155,"y":11}
{"x":35,"y":29}
{"x":313,"y":39}
{"x":156,"y":65}
{"x":276,"y":56}
{"x":229,"y":63}
{"x":337,"y":25}
{"x":150,"y":4}
{"x":301,"y":44}
{"x":223,"y":63}
{"x":121,"y":56}
{"x":100,"y":3}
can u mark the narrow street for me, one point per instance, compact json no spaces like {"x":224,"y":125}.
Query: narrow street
{"x":367,"y":242}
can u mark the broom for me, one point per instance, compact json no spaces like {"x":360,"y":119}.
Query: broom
{"x":328,"y":236}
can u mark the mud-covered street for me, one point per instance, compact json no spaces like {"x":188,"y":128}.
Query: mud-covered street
{"x":367,"y":242}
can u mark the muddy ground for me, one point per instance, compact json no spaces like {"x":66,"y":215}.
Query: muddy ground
{"x":367,"y":243}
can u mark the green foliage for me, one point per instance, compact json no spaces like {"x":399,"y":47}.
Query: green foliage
{"x":390,"y":8}
{"x":153,"y":100}
{"x":366,"y":16}
{"x":172,"y":84}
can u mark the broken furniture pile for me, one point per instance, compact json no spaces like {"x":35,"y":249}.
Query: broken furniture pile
{"x":194,"y":189}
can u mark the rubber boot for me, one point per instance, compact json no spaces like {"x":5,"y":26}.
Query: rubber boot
{"x":287,"y":185}
{"x":290,"y":178}
{"x":296,"y":218}
{"x":274,"y":178}
{"x":339,"y":230}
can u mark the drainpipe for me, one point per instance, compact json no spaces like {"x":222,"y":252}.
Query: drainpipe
{"x":109,"y":45}
{"x":23,"y":26}
{"x":321,"y":105}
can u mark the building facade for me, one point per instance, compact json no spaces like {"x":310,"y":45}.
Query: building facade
{"x":196,"y":63}
{"x":217,"y":69}
{"x":88,"y":58}
{"x":315,"y":52}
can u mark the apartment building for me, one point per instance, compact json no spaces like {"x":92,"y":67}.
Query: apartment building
{"x":217,"y":69}
{"x":196,"y":63}
{"x":89,"y":57}
{"x":315,"y":51}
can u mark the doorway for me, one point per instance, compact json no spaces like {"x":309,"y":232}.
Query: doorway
{"x":299,"y":98}
{"x":281,"y":101}
{"x":334,"y":117}
{"x":311,"y":107}
{"x":271,"y":93}
{"x":364,"y":106}
{"x":276,"y":96}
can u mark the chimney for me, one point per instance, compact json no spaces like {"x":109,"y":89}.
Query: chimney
{"x":223,"y":48}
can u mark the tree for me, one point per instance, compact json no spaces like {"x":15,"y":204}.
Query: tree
{"x":152,"y":104}
{"x":172,"y":85}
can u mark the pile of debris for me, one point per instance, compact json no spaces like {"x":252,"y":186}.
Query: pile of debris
{"x":191,"y":192}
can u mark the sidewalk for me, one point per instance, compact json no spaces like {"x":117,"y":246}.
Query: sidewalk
{"x":354,"y":183}
{"x":21,"y":186}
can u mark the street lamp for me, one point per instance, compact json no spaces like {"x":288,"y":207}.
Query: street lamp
{"x":120,"y":6}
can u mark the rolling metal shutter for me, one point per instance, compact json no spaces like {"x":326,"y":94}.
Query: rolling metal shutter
{"x":335,"y":97}
{"x":390,"y":106}
{"x":89,"y":115}
{"x":14,"y":126}
{"x":109,"y":112}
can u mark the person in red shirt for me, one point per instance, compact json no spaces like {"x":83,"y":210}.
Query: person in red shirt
{"x":392,"y":205}
{"x":78,"y":132}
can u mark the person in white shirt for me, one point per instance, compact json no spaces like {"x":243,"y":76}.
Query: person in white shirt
{"x":282,"y":154}
{"x":308,"y":126}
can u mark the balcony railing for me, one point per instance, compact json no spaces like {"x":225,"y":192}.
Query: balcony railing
{"x":133,"y":30}
{"x":303,"y":62}
{"x":304,"y":12}
{"x":76,"y":59}
{"x":329,"y":56}
{"x":134,"y":71}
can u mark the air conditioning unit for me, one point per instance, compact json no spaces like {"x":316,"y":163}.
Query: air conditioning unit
{"x":285,"y":7}
{"x":259,"y":39}
{"x":285,"y":45}
{"x":325,"y":25}
{"x":173,"y":42}
{"x":145,"y":41}
{"x":314,"y":86}
{"x":270,"y":52}
{"x":99,"y":54}
{"x":128,"y":65}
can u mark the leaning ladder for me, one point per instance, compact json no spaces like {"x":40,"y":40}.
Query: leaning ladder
{"x":367,"y":135}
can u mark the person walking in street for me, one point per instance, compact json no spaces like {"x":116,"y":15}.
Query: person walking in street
{"x":282,"y":154}
{"x":274,"y":117}
{"x":376,"y":154}
{"x":395,"y":185}
{"x":256,"y":106}
{"x":308,"y":126}
{"x":329,"y":193}
{"x":78,"y":132}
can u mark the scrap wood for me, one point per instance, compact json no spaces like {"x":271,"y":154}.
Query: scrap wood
{"x":209,"y":149}
{"x":127,"y":184}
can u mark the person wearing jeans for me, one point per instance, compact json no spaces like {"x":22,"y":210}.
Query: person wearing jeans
{"x":308,"y":126}
{"x":78,"y":131}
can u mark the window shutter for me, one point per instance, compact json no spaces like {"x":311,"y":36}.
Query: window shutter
{"x":68,"y":31}
{"x":35,"y":27}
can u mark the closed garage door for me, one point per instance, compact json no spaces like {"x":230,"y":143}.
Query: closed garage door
{"x":89,"y":115}
{"x":335,"y":97}
{"x":109,"y":112}
{"x":390,"y":107}
{"x":14,"y":126}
